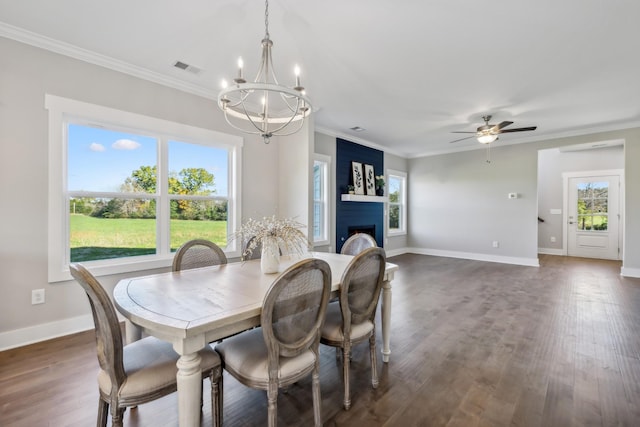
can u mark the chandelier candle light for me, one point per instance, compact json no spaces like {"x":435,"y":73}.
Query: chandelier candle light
{"x":264,"y":107}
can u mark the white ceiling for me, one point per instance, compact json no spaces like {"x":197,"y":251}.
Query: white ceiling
{"x":409,"y":72}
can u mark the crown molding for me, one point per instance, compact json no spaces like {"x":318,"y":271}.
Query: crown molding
{"x":361,"y":141}
{"x":72,"y":51}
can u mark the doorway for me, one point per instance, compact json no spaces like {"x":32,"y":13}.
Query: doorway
{"x":592,"y":206}
{"x":581,"y":161}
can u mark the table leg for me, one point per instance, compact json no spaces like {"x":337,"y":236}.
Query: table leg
{"x":386,"y":320}
{"x":132,"y":332}
{"x":189,"y":378}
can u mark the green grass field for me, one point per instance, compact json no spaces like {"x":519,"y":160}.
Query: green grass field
{"x":103,"y":238}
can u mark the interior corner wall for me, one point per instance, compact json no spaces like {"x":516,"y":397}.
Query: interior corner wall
{"x":356,"y":213}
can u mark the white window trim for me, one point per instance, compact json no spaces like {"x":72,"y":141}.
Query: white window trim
{"x":403,"y":205}
{"x":327,"y":196}
{"x":62,"y":109}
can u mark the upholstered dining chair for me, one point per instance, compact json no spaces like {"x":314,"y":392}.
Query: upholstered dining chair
{"x":357,"y":243}
{"x":351,"y":319}
{"x":284,"y":349}
{"x":198,"y":253}
{"x":139,"y":372}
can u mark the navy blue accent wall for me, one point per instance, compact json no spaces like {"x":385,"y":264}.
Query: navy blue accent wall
{"x":350,"y":214}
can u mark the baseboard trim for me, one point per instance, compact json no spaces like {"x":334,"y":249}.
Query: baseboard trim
{"x":630,"y":272}
{"x":45,"y":331}
{"x":551,"y":251}
{"x":529,"y":262}
{"x":396,"y":252}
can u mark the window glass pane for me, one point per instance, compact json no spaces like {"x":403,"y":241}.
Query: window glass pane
{"x":197,"y":169}
{"x":104,"y":160}
{"x":198,"y":219}
{"x":394,"y":216}
{"x":395,"y":186}
{"x":111,"y":228}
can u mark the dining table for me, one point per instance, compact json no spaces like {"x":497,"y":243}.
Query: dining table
{"x":192,"y":308}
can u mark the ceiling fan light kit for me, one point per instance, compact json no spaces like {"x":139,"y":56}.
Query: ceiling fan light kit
{"x":264,"y":107}
{"x":487,"y":138}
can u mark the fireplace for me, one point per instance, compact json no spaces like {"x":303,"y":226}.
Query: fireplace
{"x":368,"y":229}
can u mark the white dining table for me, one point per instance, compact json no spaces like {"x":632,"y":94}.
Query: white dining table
{"x":192,"y":308}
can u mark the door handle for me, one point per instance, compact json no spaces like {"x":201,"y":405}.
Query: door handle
{"x":571,"y":222}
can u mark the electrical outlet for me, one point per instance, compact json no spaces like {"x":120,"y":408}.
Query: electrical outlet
{"x":552,"y":239}
{"x":37,"y":296}
{"x":496,"y":244}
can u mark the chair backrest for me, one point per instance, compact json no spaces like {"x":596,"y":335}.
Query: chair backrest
{"x":107,"y":326}
{"x":294,"y":308}
{"x":360,"y":287}
{"x":249,"y":252}
{"x":198,"y":253}
{"x":357,"y":243}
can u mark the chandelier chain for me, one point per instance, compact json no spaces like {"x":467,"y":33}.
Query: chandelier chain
{"x":266,"y":19}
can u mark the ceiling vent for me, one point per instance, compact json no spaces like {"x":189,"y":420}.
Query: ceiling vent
{"x":186,"y":67}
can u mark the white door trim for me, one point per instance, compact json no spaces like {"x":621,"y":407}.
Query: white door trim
{"x":565,"y":202}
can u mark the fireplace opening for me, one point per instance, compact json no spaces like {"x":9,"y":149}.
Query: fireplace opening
{"x":368,"y":229}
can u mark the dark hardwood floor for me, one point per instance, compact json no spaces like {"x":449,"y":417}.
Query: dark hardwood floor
{"x":473,"y":344}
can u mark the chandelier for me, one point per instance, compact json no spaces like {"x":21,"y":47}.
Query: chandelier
{"x":264,"y":107}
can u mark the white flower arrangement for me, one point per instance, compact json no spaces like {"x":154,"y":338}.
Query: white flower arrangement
{"x":286,"y":232}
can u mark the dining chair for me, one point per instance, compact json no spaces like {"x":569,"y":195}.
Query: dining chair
{"x":198,"y":253}
{"x":255,"y":253}
{"x":284,"y":349}
{"x":357,"y":243}
{"x":351,"y":319}
{"x":139,"y":372}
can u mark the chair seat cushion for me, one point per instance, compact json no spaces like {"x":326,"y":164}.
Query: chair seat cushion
{"x":150,"y":365}
{"x":246,"y":354}
{"x":332,"y":328}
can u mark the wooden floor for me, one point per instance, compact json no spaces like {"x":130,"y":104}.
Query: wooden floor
{"x":473,"y":344}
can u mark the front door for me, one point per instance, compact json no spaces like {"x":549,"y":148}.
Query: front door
{"x":593,"y":217}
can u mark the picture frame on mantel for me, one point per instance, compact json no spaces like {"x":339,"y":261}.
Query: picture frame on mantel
{"x":370,"y":180}
{"x":358,"y":177}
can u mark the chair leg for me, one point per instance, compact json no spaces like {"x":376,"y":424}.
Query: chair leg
{"x":216,"y":397}
{"x":374,"y":361}
{"x":317,"y":401}
{"x":272,"y":402}
{"x":103,"y":412}
{"x":346,"y":362}
{"x":116,"y":416}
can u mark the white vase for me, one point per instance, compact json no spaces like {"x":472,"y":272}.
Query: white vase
{"x":270,"y":258}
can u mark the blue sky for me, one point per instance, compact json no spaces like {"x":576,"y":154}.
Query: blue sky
{"x":101,"y":160}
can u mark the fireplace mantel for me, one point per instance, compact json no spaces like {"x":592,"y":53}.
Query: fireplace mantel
{"x":363,"y":198}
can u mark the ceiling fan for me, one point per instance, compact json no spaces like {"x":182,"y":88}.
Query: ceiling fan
{"x":487,"y":133}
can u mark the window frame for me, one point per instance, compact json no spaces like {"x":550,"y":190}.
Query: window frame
{"x":62,"y":111}
{"x":325,"y":199}
{"x":402,"y":203}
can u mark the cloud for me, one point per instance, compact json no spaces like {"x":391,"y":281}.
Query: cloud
{"x":125,"y":144}
{"x":95,"y":146}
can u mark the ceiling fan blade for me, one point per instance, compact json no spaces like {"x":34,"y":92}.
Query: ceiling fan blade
{"x":501,"y":125}
{"x":519,"y":129}
{"x":461,"y":131}
{"x":462,"y":139}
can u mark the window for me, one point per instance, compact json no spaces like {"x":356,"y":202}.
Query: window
{"x":397,"y":189}
{"x":127,"y":190}
{"x":321,"y":199}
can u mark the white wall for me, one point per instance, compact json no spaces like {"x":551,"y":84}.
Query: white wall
{"x":26,"y":75}
{"x":458,"y":203}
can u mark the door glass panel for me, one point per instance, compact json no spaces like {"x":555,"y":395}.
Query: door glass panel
{"x":593,"y":199}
